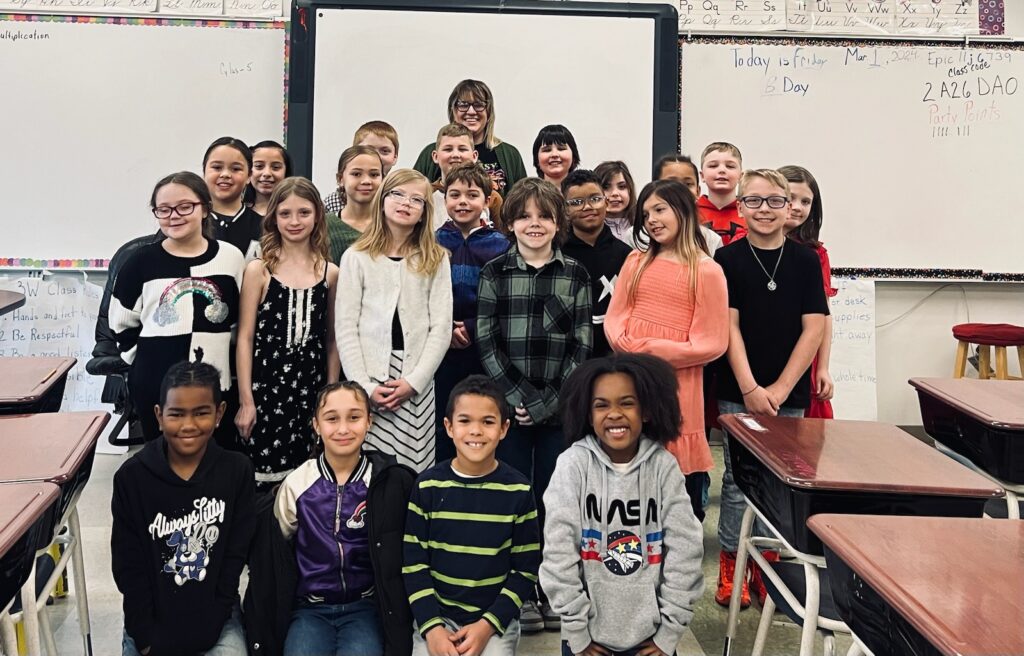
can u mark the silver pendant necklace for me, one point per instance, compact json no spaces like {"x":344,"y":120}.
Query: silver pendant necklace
{"x":772,"y":286}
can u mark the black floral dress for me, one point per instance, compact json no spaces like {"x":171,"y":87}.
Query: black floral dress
{"x":289,"y":366}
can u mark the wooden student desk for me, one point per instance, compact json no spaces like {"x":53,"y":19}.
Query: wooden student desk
{"x":57,"y":448}
{"x":980,"y":419}
{"x":27,"y":515}
{"x":791,"y":469}
{"x":33,"y":384}
{"x":927,"y":585}
{"x":10,"y":301}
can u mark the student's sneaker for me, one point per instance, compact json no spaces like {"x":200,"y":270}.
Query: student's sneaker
{"x":726,"y":570}
{"x":756,"y":578}
{"x":530,"y":619}
{"x":552,"y":622}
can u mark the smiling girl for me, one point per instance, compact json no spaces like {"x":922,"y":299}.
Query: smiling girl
{"x":672,"y":302}
{"x":555,"y":153}
{"x":394,"y":317}
{"x":599,"y":567}
{"x":176,"y":299}
{"x":270,"y":165}
{"x":359,"y":177}
{"x":227,"y":167}
{"x":286,"y":349}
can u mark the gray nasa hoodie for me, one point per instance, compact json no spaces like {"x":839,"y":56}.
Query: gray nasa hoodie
{"x":622,"y":551}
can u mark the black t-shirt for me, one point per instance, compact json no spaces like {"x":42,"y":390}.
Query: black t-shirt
{"x":770,"y":321}
{"x":489,"y":160}
{"x":243,"y":230}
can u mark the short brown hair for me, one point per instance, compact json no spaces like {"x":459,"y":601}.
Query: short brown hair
{"x":771,"y":175}
{"x":472,"y":174}
{"x":548,"y":199}
{"x":453,"y":130}
{"x":724,"y":146}
{"x":379,"y":128}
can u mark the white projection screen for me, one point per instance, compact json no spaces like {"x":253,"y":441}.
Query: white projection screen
{"x":605,"y":71}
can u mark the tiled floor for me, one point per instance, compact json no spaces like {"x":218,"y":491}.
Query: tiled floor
{"x":705,"y":637}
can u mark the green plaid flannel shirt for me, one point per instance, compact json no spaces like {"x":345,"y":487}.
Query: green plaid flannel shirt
{"x":533,"y":328}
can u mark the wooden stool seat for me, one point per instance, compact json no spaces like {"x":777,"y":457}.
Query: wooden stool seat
{"x":986,"y":336}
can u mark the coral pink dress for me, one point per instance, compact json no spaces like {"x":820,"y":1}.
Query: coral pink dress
{"x":687,"y":330}
{"x":821,"y":409}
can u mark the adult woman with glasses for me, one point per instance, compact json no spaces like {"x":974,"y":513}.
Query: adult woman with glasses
{"x":472,"y":105}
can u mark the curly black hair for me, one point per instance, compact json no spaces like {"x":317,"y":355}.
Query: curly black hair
{"x":656,"y":392}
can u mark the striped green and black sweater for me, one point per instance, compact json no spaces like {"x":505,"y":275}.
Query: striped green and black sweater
{"x":472,"y":547}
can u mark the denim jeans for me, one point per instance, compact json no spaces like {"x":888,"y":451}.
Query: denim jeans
{"x":733,"y":504}
{"x":351,"y":629}
{"x":230,"y":643}
{"x":498,"y":645}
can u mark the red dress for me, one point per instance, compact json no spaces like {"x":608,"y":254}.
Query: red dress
{"x":821,"y":409}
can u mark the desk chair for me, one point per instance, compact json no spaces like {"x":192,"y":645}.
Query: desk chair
{"x":794,"y":571}
{"x":106,"y":355}
{"x":985,"y":336}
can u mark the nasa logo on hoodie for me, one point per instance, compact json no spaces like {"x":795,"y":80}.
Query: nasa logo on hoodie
{"x":623,"y":556}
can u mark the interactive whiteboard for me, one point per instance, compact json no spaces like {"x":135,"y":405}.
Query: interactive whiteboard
{"x":544,"y":62}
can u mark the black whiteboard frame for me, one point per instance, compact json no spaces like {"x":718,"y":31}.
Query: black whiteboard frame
{"x":302,"y":69}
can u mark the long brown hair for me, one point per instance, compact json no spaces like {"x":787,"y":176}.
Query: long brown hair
{"x":690,"y":244}
{"x":423,"y":255}
{"x":270,"y":242}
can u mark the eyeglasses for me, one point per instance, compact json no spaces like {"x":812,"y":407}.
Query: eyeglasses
{"x":755,"y":202}
{"x":181,"y":209}
{"x":593,"y":201}
{"x":464,"y":105}
{"x":419,"y":202}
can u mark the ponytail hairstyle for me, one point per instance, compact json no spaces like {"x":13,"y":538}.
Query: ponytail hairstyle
{"x":270,"y":242}
{"x":321,"y":401}
{"x":346,"y":158}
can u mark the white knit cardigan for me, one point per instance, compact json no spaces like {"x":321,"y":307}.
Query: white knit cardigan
{"x":369,"y":290}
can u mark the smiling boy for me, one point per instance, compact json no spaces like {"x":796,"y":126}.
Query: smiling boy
{"x":777,"y":311}
{"x":592,"y":244}
{"x":471,"y":537}
{"x":720,"y":166}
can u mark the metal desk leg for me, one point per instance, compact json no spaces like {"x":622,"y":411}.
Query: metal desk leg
{"x":767,"y":612}
{"x":78,"y":572}
{"x":811,"y":604}
{"x":29,"y":616}
{"x":8,"y":633}
{"x":737,"y":580}
{"x":1012,"y":507}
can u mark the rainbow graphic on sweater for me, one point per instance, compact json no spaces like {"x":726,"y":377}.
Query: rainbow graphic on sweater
{"x":216,"y":310}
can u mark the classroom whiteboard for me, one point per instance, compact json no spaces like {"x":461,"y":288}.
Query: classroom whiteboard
{"x":541,"y":68}
{"x":917,"y":149}
{"x":95,"y":113}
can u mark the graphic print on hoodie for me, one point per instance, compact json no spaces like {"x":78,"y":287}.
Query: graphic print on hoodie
{"x":177,"y":547}
{"x":630,"y":547}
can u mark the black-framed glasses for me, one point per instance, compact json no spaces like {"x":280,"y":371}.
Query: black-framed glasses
{"x":181,"y":209}
{"x":464,"y":105}
{"x":418,"y":202}
{"x":593,"y":201}
{"x":755,"y":202}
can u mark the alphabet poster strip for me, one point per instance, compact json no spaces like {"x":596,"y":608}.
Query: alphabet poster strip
{"x":852,"y":17}
{"x":732,"y":15}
